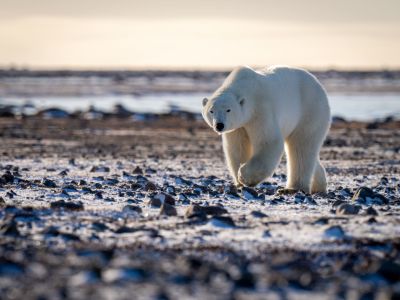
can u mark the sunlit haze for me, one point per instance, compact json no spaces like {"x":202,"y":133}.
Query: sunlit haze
{"x":203,"y":34}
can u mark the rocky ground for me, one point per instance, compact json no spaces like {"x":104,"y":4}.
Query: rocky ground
{"x":124,"y":209}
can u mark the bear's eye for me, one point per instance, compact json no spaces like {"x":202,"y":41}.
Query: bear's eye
{"x":228,"y":110}
{"x":211,"y":112}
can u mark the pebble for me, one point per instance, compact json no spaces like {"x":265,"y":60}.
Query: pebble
{"x":334,"y":232}
{"x":132,"y":208}
{"x":348,"y":209}
{"x":181,"y":181}
{"x":70,"y":188}
{"x":61,"y":204}
{"x":150,"y":186}
{"x":222,"y":222}
{"x":161,"y":198}
{"x":338,"y":203}
{"x":7,"y":178}
{"x":168,"y":210}
{"x":135,"y":186}
{"x":258,"y":214}
{"x":195,"y":210}
{"x":266,"y":234}
{"x":49,"y":183}
{"x":154,"y":202}
{"x":9,"y":227}
{"x":63,"y":173}
{"x":249,"y":193}
{"x":138,"y":171}
{"x":100,"y":169}
{"x":371,"y":211}
{"x":366,"y":195}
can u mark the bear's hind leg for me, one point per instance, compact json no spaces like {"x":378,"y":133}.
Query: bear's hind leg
{"x":318,"y":183}
{"x":237,"y":149}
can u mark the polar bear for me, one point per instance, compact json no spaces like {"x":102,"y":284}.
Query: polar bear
{"x":261,"y":113}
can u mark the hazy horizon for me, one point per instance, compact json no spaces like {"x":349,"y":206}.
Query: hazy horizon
{"x":199,"y":35}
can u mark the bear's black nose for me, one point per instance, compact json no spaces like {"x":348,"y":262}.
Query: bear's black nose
{"x":220,"y":126}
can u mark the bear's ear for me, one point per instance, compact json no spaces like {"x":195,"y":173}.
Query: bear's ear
{"x":241,"y":102}
{"x":205,"y":100}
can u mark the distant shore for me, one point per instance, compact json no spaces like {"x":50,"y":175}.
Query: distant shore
{"x":20,"y":82}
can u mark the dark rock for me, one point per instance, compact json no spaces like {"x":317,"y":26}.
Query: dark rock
{"x":135,"y":186}
{"x":334,"y":232}
{"x":371,"y":211}
{"x":2,"y":202}
{"x":338,"y":203}
{"x":63,"y":173}
{"x":7,"y":178}
{"x":331,"y":195}
{"x":231,"y":189}
{"x":10,"y":194}
{"x":138,"y":171}
{"x":9,"y":227}
{"x":181,"y":181}
{"x":53,"y":113}
{"x":87,"y":190}
{"x":100,"y":169}
{"x":310,"y":201}
{"x":98,"y":226}
{"x":150,"y":171}
{"x":111,"y":181}
{"x":266,"y":234}
{"x":195,"y":210}
{"x":49,"y":183}
{"x":132,"y":208}
{"x":168,"y":210}
{"x":154,"y":202}
{"x":246,"y":280}
{"x":348,"y":209}
{"x":9,"y":269}
{"x":165,"y":198}
{"x":61,"y":204}
{"x":258,"y":214}
{"x":390,"y":270}
{"x":125,"y":229}
{"x":222,"y":221}
{"x":121,"y":112}
{"x":365,"y":195}
{"x":384,"y":181}
{"x":54,"y":231}
{"x":249,"y":193}
{"x":321,"y":221}
{"x":150,"y":186}
{"x":69,"y":188}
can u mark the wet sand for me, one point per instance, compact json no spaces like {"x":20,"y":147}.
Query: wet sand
{"x":123,"y":209}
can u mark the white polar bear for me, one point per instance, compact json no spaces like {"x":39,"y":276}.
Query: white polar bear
{"x":262,"y":112}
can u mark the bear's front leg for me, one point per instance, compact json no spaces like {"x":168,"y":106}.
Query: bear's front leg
{"x":237,"y":149}
{"x":262,"y":164}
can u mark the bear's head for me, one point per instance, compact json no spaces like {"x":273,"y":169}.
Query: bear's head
{"x":225,"y":112}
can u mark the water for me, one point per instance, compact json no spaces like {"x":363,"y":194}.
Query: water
{"x":363,"y":107}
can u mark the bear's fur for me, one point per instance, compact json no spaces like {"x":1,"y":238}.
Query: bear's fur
{"x":262,"y":112}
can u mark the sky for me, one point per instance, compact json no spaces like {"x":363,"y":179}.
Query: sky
{"x":184,"y":34}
